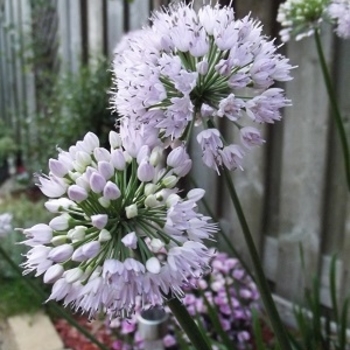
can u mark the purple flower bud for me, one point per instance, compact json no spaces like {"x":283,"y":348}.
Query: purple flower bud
{"x":143,"y":153}
{"x":176,"y":157}
{"x":77,"y":193}
{"x":59,"y":289}
{"x":91,"y":249}
{"x":104,"y":236}
{"x":153,"y":265}
{"x":53,"y":273}
{"x":78,"y":255}
{"x":58,"y":168}
{"x":61,"y":253}
{"x":183,"y":169}
{"x":73,"y":275}
{"x":114,"y":139}
{"x":101,"y":153}
{"x":196,"y":194}
{"x":60,"y":223}
{"x":83,"y":158}
{"x":99,"y":220}
{"x":118,"y":159}
{"x":111,"y":191}
{"x":202,"y":67}
{"x":55,"y":205}
{"x":97,"y":182}
{"x":105,"y":169}
{"x":130,"y":240}
{"x":131,"y":211}
{"x":91,"y":141}
{"x":170,"y":181}
{"x":145,"y":171}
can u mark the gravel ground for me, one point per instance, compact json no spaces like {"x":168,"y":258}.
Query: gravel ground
{"x":6,"y":338}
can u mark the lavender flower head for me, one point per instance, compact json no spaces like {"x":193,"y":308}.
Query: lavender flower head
{"x":121,"y":230}
{"x":300,"y":18}
{"x":5,"y":224}
{"x":339,"y":12}
{"x":228,"y":288}
{"x":193,"y":68}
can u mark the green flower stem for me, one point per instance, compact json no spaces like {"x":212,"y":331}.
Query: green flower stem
{"x":57,"y":309}
{"x":260,"y":278}
{"x":333,"y":100}
{"x":228,"y":242}
{"x":187,"y":324}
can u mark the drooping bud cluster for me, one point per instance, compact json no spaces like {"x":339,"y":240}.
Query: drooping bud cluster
{"x":5,"y":224}
{"x":300,"y":18}
{"x":121,"y":229}
{"x":189,"y":69}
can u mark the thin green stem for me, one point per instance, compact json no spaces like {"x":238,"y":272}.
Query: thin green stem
{"x":228,"y":242}
{"x":187,"y":324}
{"x":334,"y":104}
{"x":260,"y":278}
{"x":57,"y":309}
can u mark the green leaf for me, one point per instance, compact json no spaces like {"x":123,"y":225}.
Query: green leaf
{"x":343,"y":325}
{"x":259,"y":342}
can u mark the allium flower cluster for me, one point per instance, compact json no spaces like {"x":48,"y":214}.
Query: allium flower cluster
{"x":228,"y":288}
{"x":339,"y":11}
{"x":300,"y":18}
{"x":193,"y":68}
{"x":5,"y":224}
{"x":121,"y":230}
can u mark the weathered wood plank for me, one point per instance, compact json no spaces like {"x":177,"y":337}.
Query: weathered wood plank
{"x":271,"y":267}
{"x":303,"y":168}
{"x":63,"y":34}
{"x":95,"y":29}
{"x":337,"y":213}
{"x":139,"y":12}
{"x":76,"y":35}
{"x":29,"y":77}
{"x":115,"y":24}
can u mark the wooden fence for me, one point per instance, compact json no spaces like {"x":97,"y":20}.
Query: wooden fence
{"x":292,"y":189}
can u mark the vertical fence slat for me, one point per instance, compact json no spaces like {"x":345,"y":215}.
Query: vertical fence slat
{"x":9,"y":64}
{"x":115,"y":23}
{"x":303,"y":169}
{"x":76,"y":35}
{"x":139,"y":12}
{"x":28,"y":73}
{"x":338,"y":199}
{"x":3,"y":71}
{"x":63,"y":33}
{"x":95,"y":29}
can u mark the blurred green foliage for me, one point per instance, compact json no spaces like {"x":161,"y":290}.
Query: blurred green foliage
{"x":76,"y":103}
{"x":26,"y":213}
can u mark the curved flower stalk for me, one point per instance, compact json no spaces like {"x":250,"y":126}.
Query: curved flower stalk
{"x":300,"y":18}
{"x":121,"y":230}
{"x":339,"y":12}
{"x":5,"y":224}
{"x":189,"y":69}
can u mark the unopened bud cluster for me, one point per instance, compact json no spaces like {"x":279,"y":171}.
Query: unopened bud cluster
{"x":121,"y":230}
{"x":300,"y":18}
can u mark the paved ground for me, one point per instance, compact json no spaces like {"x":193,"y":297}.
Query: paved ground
{"x":6,"y":337}
{"x":29,"y":332}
